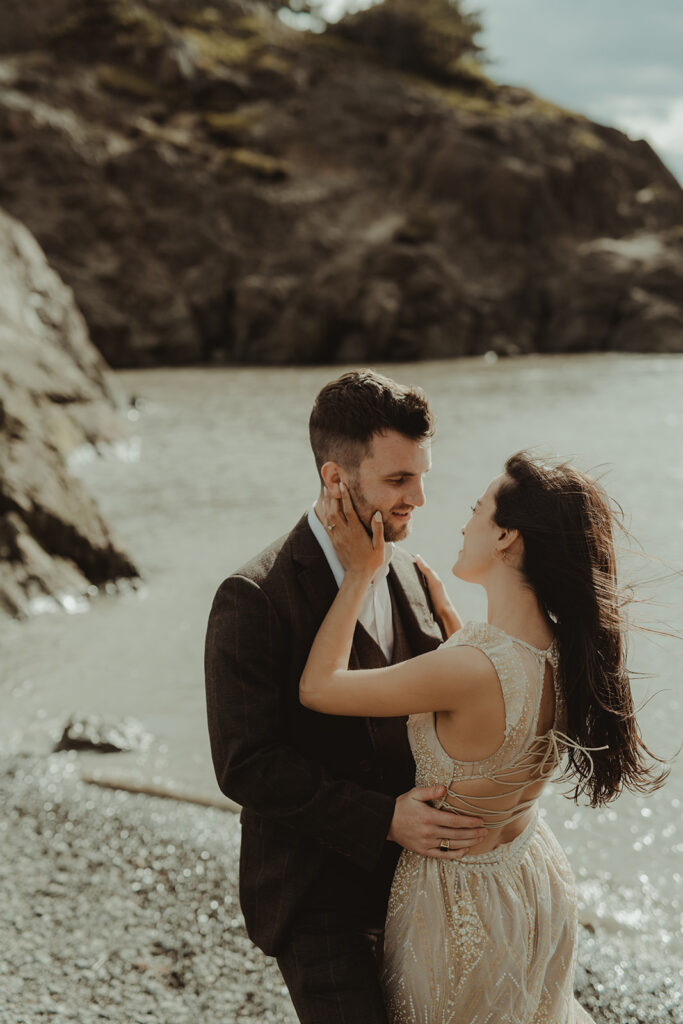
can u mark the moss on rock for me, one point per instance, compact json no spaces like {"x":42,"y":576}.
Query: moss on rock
{"x":274,"y":64}
{"x":261,"y":165}
{"x":116,"y":21}
{"x":235,"y":125}
{"x":129,"y":83}
{"x":220,"y":47}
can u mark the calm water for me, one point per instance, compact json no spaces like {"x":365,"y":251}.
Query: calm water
{"x":221,"y":466}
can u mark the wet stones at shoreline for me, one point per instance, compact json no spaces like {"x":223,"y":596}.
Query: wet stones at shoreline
{"x":121,"y":907}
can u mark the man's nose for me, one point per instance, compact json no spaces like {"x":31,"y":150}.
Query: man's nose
{"x":416,"y":495}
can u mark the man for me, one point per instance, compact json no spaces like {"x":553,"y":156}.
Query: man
{"x":328,"y":801}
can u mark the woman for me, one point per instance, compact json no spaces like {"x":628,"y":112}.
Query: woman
{"x":491,"y":936}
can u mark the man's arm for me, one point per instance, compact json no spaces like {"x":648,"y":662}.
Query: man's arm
{"x":247,"y":657}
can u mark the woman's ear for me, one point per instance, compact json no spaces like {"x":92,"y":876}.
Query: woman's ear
{"x":507,"y":542}
{"x":331,"y":475}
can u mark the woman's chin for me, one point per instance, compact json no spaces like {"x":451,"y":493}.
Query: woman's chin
{"x":461,"y":570}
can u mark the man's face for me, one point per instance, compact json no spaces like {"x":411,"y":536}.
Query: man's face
{"x":389,"y":478}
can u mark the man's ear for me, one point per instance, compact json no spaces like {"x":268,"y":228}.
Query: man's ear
{"x":332,"y":475}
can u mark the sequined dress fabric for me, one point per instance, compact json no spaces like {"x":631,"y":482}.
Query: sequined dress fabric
{"x":489,"y":938}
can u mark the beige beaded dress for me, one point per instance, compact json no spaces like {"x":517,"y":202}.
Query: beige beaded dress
{"x":489,"y":938}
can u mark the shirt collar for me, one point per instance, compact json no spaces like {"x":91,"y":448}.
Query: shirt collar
{"x":323,"y":538}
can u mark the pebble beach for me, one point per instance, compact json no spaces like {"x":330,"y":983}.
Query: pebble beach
{"x":123,"y":907}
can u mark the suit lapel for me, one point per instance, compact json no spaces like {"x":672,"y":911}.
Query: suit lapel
{"x":410,"y":596}
{"x":317,"y":581}
{"x":320,"y":587}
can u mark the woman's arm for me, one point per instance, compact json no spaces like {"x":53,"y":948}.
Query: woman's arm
{"x":444,"y":609}
{"x":442,"y":680}
{"x":438,"y":681}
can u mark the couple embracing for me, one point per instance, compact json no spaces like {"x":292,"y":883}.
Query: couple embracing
{"x":389,"y":759}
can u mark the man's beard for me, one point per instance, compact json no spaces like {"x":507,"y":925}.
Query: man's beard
{"x":396,"y":531}
{"x":365,"y":512}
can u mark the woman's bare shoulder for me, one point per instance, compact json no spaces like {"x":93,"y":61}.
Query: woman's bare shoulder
{"x":468,"y":663}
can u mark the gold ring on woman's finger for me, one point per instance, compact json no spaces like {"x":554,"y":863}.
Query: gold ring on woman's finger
{"x":445,"y":844}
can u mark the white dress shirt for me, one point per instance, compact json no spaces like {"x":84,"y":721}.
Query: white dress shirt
{"x":375,"y":611}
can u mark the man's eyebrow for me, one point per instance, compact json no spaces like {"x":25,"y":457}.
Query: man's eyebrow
{"x":406,"y":472}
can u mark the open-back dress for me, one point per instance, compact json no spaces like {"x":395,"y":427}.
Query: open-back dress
{"x":489,"y":938}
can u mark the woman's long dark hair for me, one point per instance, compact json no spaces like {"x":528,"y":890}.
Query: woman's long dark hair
{"x":566,"y":521}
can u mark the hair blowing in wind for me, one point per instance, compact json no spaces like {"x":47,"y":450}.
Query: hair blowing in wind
{"x":567,"y":523}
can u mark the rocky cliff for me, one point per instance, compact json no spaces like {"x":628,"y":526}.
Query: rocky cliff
{"x":214,"y":185}
{"x":54,"y":397}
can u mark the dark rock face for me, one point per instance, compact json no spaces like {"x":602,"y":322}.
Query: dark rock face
{"x":54,"y":397}
{"x":213,"y":185}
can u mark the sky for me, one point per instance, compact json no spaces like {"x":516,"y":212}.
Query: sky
{"x":619,"y":62}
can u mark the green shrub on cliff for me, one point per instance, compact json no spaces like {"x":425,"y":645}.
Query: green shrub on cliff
{"x":433,"y":38}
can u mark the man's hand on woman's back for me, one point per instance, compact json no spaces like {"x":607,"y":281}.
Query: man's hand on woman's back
{"x":419,"y":827}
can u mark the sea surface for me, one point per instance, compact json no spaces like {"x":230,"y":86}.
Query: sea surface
{"x":218,"y":465}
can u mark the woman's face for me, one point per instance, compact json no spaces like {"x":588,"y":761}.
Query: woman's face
{"x":480,"y":534}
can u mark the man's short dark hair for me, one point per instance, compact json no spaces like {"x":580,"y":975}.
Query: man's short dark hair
{"x":350,"y":410}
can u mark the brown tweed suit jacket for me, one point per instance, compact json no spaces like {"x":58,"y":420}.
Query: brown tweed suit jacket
{"x":317,"y":791}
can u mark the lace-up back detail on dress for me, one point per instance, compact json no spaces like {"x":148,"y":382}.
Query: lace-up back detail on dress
{"x":523,"y":758}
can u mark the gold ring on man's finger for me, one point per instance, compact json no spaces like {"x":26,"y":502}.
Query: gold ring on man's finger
{"x":445,"y":844}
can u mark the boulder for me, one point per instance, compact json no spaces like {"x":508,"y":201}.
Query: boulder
{"x":55,"y":395}
{"x":104,"y":736}
{"x":215,"y":186}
